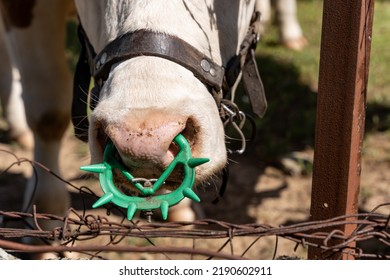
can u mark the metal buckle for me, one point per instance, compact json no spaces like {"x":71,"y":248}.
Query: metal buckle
{"x":231,"y":114}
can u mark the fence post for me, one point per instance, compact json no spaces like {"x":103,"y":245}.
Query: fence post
{"x":341,"y":101}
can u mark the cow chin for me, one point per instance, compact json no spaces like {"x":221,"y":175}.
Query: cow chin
{"x":146,"y":180}
{"x":146,"y":172}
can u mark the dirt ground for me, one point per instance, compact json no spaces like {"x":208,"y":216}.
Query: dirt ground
{"x":257,"y":192}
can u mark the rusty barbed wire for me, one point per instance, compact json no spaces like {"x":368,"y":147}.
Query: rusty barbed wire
{"x":77,"y":228}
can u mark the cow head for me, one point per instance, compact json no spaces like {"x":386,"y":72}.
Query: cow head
{"x":145,"y":101}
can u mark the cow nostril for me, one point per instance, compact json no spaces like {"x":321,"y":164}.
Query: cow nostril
{"x":101,"y":137}
{"x":191,"y":132}
{"x":173,"y":149}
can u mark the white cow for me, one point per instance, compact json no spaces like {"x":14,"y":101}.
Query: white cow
{"x":290,"y":31}
{"x":144,"y":101}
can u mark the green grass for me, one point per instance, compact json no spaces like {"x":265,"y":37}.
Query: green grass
{"x":379,"y":80}
{"x":290,"y":79}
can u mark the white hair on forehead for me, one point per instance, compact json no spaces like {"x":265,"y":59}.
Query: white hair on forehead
{"x":200,"y":23}
{"x":211,"y":26}
{"x":116,"y":16}
{"x":189,"y":20}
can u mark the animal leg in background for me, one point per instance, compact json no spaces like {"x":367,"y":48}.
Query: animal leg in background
{"x":39,"y":52}
{"x":290,"y":31}
{"x":10,"y":94}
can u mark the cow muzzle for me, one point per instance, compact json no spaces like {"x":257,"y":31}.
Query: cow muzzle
{"x":147,"y":145}
{"x":147,"y":164}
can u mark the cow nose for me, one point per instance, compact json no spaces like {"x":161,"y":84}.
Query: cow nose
{"x":145,"y":140}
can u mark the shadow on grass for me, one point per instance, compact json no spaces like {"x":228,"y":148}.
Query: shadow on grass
{"x":287,"y":126}
{"x":377,"y":117}
{"x":290,"y":119}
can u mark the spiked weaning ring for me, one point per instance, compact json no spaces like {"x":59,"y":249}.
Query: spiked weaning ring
{"x":149,"y":200}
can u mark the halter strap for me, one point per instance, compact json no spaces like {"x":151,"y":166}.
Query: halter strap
{"x":149,"y":43}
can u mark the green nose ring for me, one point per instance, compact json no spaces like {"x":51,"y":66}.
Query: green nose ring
{"x":149,"y":199}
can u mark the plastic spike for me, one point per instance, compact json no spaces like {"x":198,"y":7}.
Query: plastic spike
{"x":164,"y":209}
{"x":106,"y":198}
{"x":96,"y":168}
{"x":193,"y":162}
{"x":191,"y":195}
{"x":131,"y":211}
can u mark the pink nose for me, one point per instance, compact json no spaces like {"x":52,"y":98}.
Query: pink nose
{"x":144,"y":139}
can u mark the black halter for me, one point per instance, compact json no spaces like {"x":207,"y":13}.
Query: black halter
{"x":218,"y":79}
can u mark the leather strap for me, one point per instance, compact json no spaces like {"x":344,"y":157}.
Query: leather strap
{"x":245,"y":63}
{"x":149,"y":43}
{"x":254,"y":86}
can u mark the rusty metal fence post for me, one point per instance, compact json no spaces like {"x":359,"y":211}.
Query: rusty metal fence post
{"x":343,"y":75}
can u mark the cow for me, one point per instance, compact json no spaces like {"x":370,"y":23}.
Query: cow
{"x":141,"y":101}
{"x":286,"y":19}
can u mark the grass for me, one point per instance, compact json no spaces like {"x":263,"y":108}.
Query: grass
{"x":379,"y":81}
{"x":290,"y":79}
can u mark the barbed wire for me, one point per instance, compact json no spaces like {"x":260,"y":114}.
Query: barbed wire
{"x":78,"y":227}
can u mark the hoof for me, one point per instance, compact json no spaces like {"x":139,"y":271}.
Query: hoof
{"x":25,"y":140}
{"x":182,"y":212}
{"x":296,"y":44}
